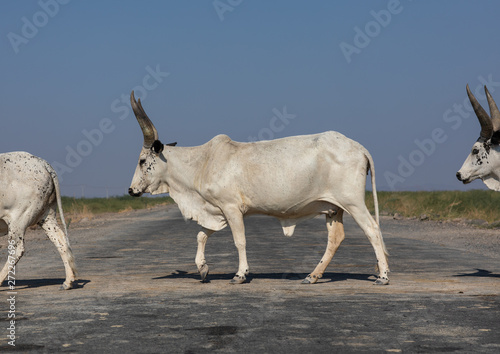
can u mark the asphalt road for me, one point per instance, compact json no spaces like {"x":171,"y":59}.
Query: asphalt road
{"x":139,"y":291}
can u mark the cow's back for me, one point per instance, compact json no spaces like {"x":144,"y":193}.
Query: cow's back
{"x":285,"y":175}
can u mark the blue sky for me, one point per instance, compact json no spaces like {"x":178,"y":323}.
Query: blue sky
{"x":388,"y":74}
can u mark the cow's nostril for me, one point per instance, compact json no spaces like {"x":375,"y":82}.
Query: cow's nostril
{"x":459,"y":176}
{"x":134,"y":194}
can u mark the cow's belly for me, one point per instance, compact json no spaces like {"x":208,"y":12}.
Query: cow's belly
{"x":297,"y":210}
{"x":291,"y":216}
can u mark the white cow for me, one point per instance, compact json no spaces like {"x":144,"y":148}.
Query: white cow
{"x":292,"y":179}
{"x":29,"y":194}
{"x":484,"y":160}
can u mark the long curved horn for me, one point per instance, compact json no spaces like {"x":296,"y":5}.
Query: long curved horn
{"x":484,"y":119}
{"x":494,"y":112}
{"x":148,"y":129}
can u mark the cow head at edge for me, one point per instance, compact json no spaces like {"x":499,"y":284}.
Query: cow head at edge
{"x":149,"y":170}
{"x":484,"y":160}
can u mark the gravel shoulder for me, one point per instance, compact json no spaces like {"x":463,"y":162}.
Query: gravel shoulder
{"x":455,"y":234}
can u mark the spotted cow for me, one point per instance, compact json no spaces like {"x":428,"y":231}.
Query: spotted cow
{"x":484,"y":159}
{"x":29,"y":195}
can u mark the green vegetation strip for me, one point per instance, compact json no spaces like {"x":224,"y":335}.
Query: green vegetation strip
{"x":440,"y":205}
{"x":91,"y":206}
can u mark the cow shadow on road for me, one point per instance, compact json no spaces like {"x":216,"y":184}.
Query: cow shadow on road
{"x":37,"y":283}
{"x":480,"y":273}
{"x":327,"y":277}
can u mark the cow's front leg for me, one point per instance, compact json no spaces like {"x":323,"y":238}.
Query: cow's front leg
{"x":201,"y":263}
{"x":235,"y":220}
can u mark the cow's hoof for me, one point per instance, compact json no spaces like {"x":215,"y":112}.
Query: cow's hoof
{"x":381,"y":281}
{"x":203,"y":273}
{"x":65,"y":286}
{"x":309,"y":280}
{"x":238,"y":279}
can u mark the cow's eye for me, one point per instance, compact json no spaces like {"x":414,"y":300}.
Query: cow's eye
{"x":142,"y":162}
{"x":475,"y":151}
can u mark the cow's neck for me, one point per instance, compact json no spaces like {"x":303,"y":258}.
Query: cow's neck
{"x":183,"y":167}
{"x":492,"y":180}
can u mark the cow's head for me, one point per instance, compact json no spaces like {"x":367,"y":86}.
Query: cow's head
{"x":149,"y":172}
{"x":484,"y":160}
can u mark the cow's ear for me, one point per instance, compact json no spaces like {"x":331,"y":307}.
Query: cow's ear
{"x":157,"y":146}
{"x":495,"y":139}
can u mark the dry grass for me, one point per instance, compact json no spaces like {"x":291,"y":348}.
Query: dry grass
{"x":86,"y":208}
{"x":77,"y":213}
{"x":441,"y":205}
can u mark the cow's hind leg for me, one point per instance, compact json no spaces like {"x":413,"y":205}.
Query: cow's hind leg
{"x":372,"y":231}
{"x":200,"y":261}
{"x":336,"y":235}
{"x":59,"y":239}
{"x":15,"y":250}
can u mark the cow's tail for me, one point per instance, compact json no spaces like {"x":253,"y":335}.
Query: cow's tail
{"x":55,"y":180}
{"x":371,"y":167}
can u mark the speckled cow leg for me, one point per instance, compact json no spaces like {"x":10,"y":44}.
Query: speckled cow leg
{"x":15,"y":249}
{"x":57,"y":236}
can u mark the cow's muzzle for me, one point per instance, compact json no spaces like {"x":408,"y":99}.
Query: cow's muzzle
{"x":134,"y":194}
{"x":462,"y":179}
